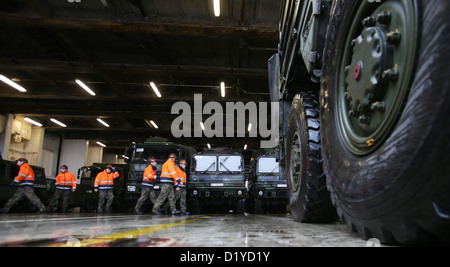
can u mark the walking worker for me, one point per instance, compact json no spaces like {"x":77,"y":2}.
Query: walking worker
{"x":104,"y":184}
{"x":25,"y":180}
{"x":148,"y":183}
{"x":65,"y":183}
{"x":168,"y":177}
{"x":180,"y":193}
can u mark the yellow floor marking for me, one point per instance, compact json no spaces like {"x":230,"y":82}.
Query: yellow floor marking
{"x":123,"y":235}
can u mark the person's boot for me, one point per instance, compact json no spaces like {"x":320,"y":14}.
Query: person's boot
{"x":41,"y":211}
{"x":138,"y":212}
{"x":157,"y":212}
{"x":175,"y":212}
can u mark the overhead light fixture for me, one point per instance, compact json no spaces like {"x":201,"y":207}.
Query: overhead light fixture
{"x":155,"y":89}
{"x":202,"y":125}
{"x":33,"y":122}
{"x":85,"y":87}
{"x":245,"y":147}
{"x":222,"y":88}
{"x":58,"y":122}
{"x":12,"y":84}
{"x":217,"y":8}
{"x":154,"y":124}
{"x":101,"y":144}
{"x":209,"y":146}
{"x":102,"y":122}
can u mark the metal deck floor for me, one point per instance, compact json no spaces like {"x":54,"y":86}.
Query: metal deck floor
{"x":126,"y":230}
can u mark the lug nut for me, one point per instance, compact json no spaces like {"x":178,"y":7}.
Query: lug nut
{"x":390,"y":74}
{"x":384,"y":17}
{"x":380,"y":106}
{"x":369,"y":21}
{"x":363,"y":119}
{"x":393,"y":37}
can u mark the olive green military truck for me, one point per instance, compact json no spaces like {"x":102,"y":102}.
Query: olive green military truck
{"x":217,"y":181}
{"x":364,"y":102}
{"x":268,"y":193}
{"x":8,"y":171}
{"x":159,"y":148}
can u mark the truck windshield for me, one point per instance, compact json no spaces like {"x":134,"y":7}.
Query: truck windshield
{"x":268,"y":165}
{"x":230,"y":164}
{"x":159,"y":152}
{"x":204,"y":163}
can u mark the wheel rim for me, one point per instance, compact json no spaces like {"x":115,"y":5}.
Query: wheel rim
{"x":375,"y":72}
{"x":295,"y":162}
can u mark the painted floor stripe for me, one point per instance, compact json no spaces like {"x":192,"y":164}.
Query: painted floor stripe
{"x":124,"y":235}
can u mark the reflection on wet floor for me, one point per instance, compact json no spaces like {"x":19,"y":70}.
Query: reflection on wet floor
{"x":92,"y":230}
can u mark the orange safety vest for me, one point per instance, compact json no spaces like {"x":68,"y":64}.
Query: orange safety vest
{"x":25,"y":176}
{"x":181,"y":178}
{"x":66,"y":181}
{"x":149,"y":179}
{"x":168,"y":172}
{"x":105,"y":181}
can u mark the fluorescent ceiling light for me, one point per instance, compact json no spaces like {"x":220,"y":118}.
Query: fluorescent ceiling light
{"x":12,"y":84}
{"x":202,"y":125}
{"x":245,"y":147}
{"x":152,"y":84}
{"x":249,"y":127}
{"x":85,"y":87}
{"x":101,"y":144}
{"x":58,"y":122}
{"x":209,"y":146}
{"x":222,"y":89}
{"x":217,"y":8}
{"x":102,"y":122}
{"x":32,"y":122}
{"x":154,"y":124}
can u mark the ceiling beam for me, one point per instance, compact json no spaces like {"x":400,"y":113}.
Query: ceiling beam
{"x":151,"y":27}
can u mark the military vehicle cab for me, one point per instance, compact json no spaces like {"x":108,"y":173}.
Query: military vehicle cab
{"x":159,"y":148}
{"x":268,"y":191}
{"x":217,"y":179}
{"x":8,"y":171}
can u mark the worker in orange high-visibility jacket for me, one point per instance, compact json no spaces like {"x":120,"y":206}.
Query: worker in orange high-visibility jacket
{"x":167,"y":179}
{"x":25,"y":181}
{"x":148,"y":184}
{"x":65,"y":183}
{"x":104,"y":184}
{"x":180,"y":183}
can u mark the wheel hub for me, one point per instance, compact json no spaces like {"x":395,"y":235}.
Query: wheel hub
{"x":365,"y":84}
{"x":375,"y":72}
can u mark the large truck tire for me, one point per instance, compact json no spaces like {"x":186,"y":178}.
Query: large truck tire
{"x":385,"y":119}
{"x":308,"y":196}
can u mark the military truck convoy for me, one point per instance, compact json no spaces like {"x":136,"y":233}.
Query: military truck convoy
{"x":364,"y":97}
{"x":216,"y":180}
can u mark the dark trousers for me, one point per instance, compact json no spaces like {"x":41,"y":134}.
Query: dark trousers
{"x":21,"y":193}
{"x":102,"y":196}
{"x":65,"y":196}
